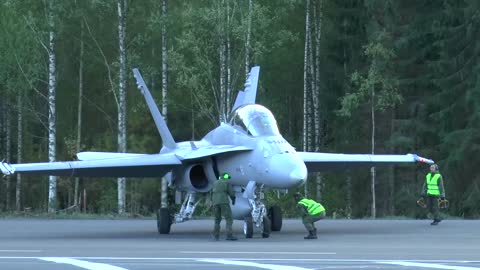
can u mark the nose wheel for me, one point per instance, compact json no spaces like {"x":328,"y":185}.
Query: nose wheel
{"x":249,"y":227}
{"x":275,"y":215}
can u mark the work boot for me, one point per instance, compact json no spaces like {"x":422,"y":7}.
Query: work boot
{"x":435,"y":221}
{"x":311,"y":235}
{"x":230,"y":237}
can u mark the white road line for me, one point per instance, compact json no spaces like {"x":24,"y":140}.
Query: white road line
{"x":82,"y":264}
{"x":258,"y":252}
{"x":20,"y":250}
{"x":431,"y":265}
{"x":258,"y":265}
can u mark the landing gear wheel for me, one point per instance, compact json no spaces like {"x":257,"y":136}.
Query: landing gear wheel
{"x":266,"y":227}
{"x":248,"y":227}
{"x":164,"y":221}
{"x":275,"y":215}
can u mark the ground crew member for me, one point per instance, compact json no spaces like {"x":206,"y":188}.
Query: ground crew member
{"x":433,"y":190}
{"x":222,"y":189}
{"x":311,"y":212}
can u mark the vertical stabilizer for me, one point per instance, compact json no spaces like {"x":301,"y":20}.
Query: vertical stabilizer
{"x":249,"y":94}
{"x":167,"y":138}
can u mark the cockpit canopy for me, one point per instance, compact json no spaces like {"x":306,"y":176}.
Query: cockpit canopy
{"x":255,"y":119}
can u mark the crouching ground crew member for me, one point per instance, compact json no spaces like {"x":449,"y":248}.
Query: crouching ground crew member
{"x":433,"y":190}
{"x":222,"y":189}
{"x":311,"y":212}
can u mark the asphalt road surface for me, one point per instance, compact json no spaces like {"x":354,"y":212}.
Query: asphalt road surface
{"x":135,"y":244}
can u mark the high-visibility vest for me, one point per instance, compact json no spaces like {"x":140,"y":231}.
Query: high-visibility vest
{"x":313,"y":207}
{"x":432,"y":184}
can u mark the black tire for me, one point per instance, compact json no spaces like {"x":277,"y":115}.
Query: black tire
{"x":248,"y":227}
{"x":164,"y":221}
{"x":275,"y":215}
{"x":267,"y":226}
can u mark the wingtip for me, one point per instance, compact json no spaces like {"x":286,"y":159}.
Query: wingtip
{"x":6,"y":168}
{"x":422,"y":159}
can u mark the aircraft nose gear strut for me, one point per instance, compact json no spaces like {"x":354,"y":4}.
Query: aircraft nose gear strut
{"x":258,"y":216}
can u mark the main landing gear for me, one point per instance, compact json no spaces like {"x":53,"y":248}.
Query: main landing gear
{"x":165,"y":217}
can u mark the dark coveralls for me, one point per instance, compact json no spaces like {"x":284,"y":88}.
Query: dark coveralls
{"x":432,"y":199}
{"x":221,"y":206}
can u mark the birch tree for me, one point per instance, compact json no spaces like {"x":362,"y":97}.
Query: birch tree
{"x":305,"y":83}
{"x":378,"y":88}
{"x":122,"y":104}
{"x":164,"y":194}
{"x":52,"y":128}
{"x":18,"y":187}
{"x":248,"y":36}
{"x":76,"y":192}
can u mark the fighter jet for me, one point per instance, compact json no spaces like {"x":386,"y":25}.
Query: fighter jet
{"x":248,"y":146}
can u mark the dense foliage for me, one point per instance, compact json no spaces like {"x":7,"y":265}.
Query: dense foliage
{"x":422,"y":57}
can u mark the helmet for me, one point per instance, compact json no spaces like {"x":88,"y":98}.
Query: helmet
{"x":225,"y":176}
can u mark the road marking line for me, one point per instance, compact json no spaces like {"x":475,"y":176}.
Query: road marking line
{"x":82,"y":264}
{"x":258,"y":265}
{"x":259,"y":252}
{"x":431,"y":265}
{"x":20,"y":250}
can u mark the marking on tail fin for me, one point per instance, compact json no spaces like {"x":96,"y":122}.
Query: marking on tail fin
{"x":167,"y":138}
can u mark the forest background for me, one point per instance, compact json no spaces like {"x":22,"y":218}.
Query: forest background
{"x":348,"y":76}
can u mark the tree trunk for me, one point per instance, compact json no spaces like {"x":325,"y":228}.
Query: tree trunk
{"x":391,"y":182}
{"x":76,"y":192}
{"x":305,"y":84}
{"x":8,"y":143}
{"x":122,"y":105}
{"x":348,"y":208}
{"x":316,"y":71}
{"x":318,"y":13}
{"x":373,"y":171}
{"x":164,"y":184}
{"x":248,"y":37}
{"x":52,"y":129}
{"x":18,"y":188}
{"x":227,"y":62}
{"x":222,"y":57}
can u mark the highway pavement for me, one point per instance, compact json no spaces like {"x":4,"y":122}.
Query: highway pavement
{"x":51,"y":244}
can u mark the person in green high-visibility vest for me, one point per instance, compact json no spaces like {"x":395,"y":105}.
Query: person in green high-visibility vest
{"x":432,"y":191}
{"x":311,"y":212}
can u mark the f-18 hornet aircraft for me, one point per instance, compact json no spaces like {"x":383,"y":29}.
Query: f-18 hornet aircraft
{"x":248,"y":146}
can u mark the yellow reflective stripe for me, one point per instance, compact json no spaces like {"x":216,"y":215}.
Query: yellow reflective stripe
{"x":303,"y":202}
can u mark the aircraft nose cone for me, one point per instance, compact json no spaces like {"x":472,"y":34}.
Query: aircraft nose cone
{"x":299,"y":174}
{"x":287,"y":171}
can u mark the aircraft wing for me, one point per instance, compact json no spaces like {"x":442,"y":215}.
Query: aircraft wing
{"x":317,"y":162}
{"x":128,"y":165}
{"x":210,"y":150}
{"x":104,"y":155}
